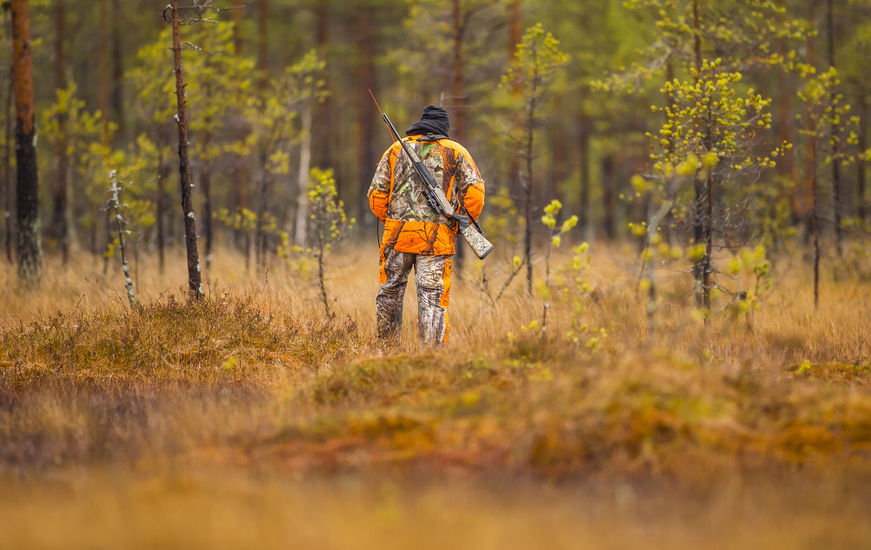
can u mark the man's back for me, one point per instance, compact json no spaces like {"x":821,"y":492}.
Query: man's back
{"x":396,"y":194}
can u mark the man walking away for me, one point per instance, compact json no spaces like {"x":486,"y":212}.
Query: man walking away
{"x":414,"y":234}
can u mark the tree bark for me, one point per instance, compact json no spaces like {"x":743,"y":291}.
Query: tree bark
{"x":515,"y":35}
{"x":301,"y":218}
{"x":206,"y":184}
{"x":7,"y":171}
{"x":862,"y":211}
{"x":366,"y":79}
{"x":698,"y":187}
{"x":162,"y":175}
{"x":59,"y":222}
{"x":263,"y":39}
{"x":240,"y":186}
{"x":117,"y":56}
{"x":836,"y":165}
{"x":813,"y":221}
{"x":457,"y":84}
{"x":707,"y":267}
{"x":323,"y":140}
{"x":260,"y":238}
{"x":195,"y":287}
{"x":527,"y":185}
{"x":103,"y":73}
{"x":609,"y":196}
{"x":786,"y":168}
{"x":27,"y":185}
{"x":238,"y":7}
{"x":810,"y":153}
{"x":584,"y":124}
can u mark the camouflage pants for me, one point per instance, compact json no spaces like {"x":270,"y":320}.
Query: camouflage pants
{"x":432,"y":276}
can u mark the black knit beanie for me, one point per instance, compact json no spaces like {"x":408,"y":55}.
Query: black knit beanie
{"x":434,"y":120}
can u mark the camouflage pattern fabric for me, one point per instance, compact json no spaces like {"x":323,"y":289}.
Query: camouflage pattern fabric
{"x":432,"y":279}
{"x":417,"y":237}
{"x":396,"y":195}
{"x":407,"y":202}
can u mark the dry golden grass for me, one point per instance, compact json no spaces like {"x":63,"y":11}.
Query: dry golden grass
{"x":217,"y":509}
{"x":256,"y":381}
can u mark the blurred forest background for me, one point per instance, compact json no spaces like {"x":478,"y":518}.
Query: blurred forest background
{"x":657,"y":172}
{"x":721,"y":124}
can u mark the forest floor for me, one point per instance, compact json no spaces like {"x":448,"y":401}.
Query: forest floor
{"x":252,"y":418}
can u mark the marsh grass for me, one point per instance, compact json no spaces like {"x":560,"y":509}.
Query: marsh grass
{"x":115,"y":422}
{"x":255,"y":373}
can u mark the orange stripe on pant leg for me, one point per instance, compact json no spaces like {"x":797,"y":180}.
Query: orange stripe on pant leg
{"x":382,"y":270}
{"x":446,"y":295}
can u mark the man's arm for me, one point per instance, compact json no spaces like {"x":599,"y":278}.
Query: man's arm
{"x":470,"y":185}
{"x":379,"y":189}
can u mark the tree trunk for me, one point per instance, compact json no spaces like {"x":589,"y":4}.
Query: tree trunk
{"x":698,"y":187}
{"x":707,"y":268}
{"x":527,"y":185}
{"x":238,"y":7}
{"x":860,"y":161}
{"x":584,"y":125}
{"x":366,"y":78}
{"x":263,"y":39}
{"x":609,"y":197}
{"x":810,"y":153}
{"x":240,"y":187}
{"x":814,"y":220}
{"x":103,"y":73}
{"x":836,"y":164}
{"x":117,"y":55}
{"x":27,"y":188}
{"x":206,"y":184}
{"x":299,"y":235}
{"x":457,"y":85}
{"x":162,"y":175}
{"x":105,"y":109}
{"x":195,"y":287}
{"x":323,"y":139}
{"x":459,"y":102}
{"x":786,"y":168}
{"x":262,"y":203}
{"x":557,"y":168}
{"x":515,"y":35}
{"x":7,"y":171}
{"x":59,"y":207}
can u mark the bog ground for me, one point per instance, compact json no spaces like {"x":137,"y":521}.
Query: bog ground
{"x":253,"y":418}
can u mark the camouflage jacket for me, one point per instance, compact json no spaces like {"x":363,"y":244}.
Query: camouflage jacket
{"x":396,"y":195}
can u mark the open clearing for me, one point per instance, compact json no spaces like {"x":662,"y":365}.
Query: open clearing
{"x":252,"y":419}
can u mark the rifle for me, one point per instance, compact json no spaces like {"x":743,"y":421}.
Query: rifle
{"x":435,"y":197}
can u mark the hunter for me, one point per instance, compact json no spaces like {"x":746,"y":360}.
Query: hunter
{"x":414,"y":234}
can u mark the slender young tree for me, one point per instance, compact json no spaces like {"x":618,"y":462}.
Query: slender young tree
{"x":534,"y":66}
{"x":195,"y":287}
{"x":27,"y":187}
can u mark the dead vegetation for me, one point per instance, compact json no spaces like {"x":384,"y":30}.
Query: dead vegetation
{"x":253,"y":375}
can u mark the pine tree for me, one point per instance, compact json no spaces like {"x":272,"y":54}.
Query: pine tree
{"x":27,"y":189}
